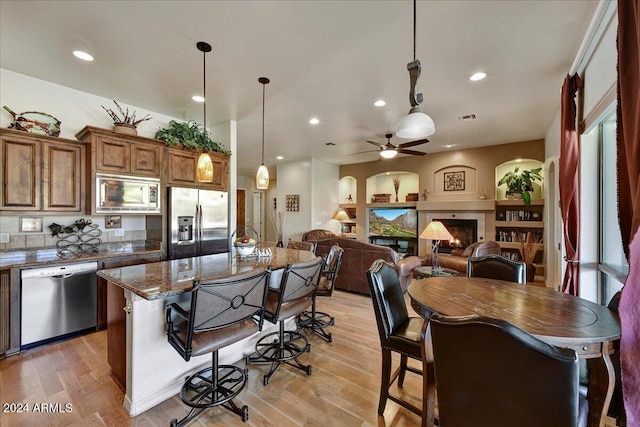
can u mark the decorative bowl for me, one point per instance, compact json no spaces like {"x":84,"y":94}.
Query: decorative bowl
{"x":245,"y":249}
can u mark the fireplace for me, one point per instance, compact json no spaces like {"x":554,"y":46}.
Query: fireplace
{"x":464,"y":231}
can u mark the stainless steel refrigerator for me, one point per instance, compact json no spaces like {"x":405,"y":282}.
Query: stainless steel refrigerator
{"x":198,"y":222}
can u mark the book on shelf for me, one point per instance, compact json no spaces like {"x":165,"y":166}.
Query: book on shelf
{"x":517,"y":236}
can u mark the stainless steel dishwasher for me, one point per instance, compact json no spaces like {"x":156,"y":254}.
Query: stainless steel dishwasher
{"x":58,"y":300}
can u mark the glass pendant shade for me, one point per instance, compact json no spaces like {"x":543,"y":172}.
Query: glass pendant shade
{"x":262,"y":178}
{"x":204,"y":168}
{"x":388,"y":153}
{"x":415,"y":125}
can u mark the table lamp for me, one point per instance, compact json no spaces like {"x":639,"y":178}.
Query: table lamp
{"x":435,"y":231}
{"x":341,"y":215}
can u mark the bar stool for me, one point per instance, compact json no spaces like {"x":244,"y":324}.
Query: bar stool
{"x":294,"y":294}
{"x":222,"y":312}
{"x":315,"y":320}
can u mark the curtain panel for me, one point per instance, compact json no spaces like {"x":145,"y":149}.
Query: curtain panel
{"x":628,"y":164}
{"x":569,"y":183}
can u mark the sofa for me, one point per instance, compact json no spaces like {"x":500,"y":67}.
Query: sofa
{"x":358,"y":257}
{"x":457,"y":260}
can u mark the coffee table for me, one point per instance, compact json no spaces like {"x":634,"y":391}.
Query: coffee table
{"x":427,"y":271}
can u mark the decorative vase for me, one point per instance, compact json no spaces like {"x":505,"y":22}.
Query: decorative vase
{"x":125,"y":128}
{"x":531,"y":272}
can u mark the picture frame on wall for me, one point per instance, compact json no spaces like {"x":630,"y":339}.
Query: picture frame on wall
{"x":454,"y":181}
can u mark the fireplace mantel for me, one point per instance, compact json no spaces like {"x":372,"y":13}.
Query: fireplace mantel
{"x":457,"y":205}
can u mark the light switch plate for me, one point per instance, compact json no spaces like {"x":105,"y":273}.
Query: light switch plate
{"x":4,"y":238}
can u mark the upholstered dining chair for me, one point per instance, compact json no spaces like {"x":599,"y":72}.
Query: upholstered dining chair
{"x":302,"y":246}
{"x":293,"y":295}
{"x":314,"y":320}
{"x":398,"y":332}
{"x":222,"y":312}
{"x":490,"y":373}
{"x":497,"y":267}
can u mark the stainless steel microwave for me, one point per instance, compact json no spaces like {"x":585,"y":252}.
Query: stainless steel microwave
{"x":127,"y":194}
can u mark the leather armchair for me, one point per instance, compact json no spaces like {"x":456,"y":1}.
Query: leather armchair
{"x":459,"y":262}
{"x":358,"y":257}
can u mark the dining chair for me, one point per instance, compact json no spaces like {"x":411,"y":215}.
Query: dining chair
{"x":490,"y":373}
{"x":314,"y":320}
{"x":222,"y":312}
{"x":302,"y":246}
{"x":398,"y":332}
{"x":493,"y":266}
{"x":293,"y":295}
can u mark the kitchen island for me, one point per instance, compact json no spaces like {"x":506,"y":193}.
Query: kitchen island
{"x":154,"y":370}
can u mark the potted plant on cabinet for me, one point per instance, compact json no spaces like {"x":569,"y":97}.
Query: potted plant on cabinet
{"x":189,"y":135}
{"x":519,"y":183}
{"x":126,"y":123}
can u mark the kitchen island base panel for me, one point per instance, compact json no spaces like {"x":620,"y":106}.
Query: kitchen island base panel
{"x":155,"y":371}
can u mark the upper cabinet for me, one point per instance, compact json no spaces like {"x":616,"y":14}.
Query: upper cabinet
{"x":123,"y":154}
{"x":181,"y":170}
{"x":41,"y":173}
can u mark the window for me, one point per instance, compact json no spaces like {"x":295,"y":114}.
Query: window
{"x":603,"y":266}
{"x":613,"y":265}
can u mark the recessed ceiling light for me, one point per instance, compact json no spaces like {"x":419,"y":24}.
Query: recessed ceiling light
{"x":279,"y":157}
{"x":449,"y":145}
{"x":380,"y":103}
{"x":477,"y":76}
{"x":197,"y":98}
{"x":82,"y":55}
{"x":314,"y":121}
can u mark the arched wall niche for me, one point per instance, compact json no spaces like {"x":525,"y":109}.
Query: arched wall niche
{"x":455,"y":180}
{"x":383,"y":183}
{"x":527,"y":164}
{"x":348,"y":190}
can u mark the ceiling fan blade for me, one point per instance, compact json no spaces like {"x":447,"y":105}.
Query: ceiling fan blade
{"x":413,"y":143}
{"x":413,"y":152}
{"x":362,"y":152}
{"x":376,"y":143}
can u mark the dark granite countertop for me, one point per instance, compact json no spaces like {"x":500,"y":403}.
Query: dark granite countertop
{"x":166,"y":278}
{"x":42,"y":256}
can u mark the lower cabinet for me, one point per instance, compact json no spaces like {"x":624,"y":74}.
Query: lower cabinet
{"x":9,"y":312}
{"x":111,"y":315}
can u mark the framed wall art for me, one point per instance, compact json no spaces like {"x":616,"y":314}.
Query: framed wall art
{"x":454,"y":181}
{"x":293,"y":202}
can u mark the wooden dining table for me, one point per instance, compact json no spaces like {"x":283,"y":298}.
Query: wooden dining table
{"x":554,"y":317}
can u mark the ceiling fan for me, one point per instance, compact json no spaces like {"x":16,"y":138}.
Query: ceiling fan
{"x":389,"y":150}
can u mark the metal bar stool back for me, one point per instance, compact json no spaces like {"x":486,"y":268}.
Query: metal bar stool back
{"x":297,"y":287}
{"x":316,"y":321}
{"x":222,"y":312}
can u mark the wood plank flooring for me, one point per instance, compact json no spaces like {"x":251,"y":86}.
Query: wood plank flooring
{"x":342,"y":390}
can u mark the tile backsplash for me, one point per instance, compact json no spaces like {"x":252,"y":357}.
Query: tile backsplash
{"x":134,"y":228}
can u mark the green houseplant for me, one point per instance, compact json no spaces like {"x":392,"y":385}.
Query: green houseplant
{"x":520,"y":182}
{"x":189,"y":135}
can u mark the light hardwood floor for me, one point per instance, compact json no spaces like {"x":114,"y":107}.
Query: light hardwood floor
{"x":342,"y":390}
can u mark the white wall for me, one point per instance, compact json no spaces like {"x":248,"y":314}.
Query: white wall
{"x":324,"y":189}
{"x":317,"y":184}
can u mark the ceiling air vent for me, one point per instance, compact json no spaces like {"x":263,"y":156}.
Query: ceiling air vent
{"x":467,"y":117}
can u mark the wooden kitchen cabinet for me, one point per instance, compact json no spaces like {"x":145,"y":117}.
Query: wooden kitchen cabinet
{"x":181,"y":171}
{"x":111,"y":315}
{"x":122,"y":154}
{"x":9,"y":312}
{"x":41,"y":173}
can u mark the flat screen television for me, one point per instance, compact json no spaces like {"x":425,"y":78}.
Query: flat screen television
{"x":393,"y":222}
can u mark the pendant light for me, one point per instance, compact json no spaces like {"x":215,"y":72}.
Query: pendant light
{"x":262,"y":177}
{"x":416,"y":124}
{"x":204,"y":168}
